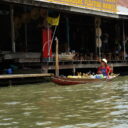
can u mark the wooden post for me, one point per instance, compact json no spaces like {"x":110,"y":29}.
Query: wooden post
{"x":67,"y":34}
{"x":26,"y":32}
{"x":12,"y":29}
{"x":74,"y":71}
{"x":10,"y":83}
{"x":57,"y":58}
{"x":124,"y":41}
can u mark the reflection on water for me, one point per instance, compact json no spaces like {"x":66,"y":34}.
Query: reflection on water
{"x":99,"y":105}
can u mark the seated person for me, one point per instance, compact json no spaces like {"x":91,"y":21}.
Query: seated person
{"x":104,"y":68}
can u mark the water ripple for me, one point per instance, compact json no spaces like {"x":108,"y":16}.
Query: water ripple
{"x":97,"y":105}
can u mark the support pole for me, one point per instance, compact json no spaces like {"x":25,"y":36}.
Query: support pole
{"x":67,"y":31}
{"x":12,"y":29}
{"x":26,"y":38}
{"x":124,"y":40}
{"x":74,"y":71}
{"x":95,"y":26}
{"x":57,"y":58}
{"x":26,"y":33}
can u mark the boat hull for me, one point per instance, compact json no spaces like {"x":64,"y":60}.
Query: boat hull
{"x":73,"y":81}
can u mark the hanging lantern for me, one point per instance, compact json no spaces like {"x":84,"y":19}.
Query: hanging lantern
{"x":98,"y":32}
{"x":98,"y":43}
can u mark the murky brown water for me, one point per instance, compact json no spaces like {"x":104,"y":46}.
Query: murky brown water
{"x":99,"y":105}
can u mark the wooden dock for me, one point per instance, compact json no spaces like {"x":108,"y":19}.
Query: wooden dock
{"x":16,"y":79}
{"x":17,"y":76}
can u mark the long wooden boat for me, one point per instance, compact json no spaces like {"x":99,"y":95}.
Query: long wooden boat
{"x":74,"y":81}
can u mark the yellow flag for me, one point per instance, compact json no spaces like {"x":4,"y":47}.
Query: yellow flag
{"x":53,"y":21}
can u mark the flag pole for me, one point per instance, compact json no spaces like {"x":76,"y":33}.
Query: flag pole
{"x":54,"y":33}
{"x":52,"y":41}
{"x":53,"y":37}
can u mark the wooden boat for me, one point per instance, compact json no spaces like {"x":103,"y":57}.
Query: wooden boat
{"x":80,"y":79}
{"x":74,"y":81}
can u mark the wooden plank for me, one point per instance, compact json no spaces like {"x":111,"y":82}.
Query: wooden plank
{"x":22,"y":55}
{"x":25,"y":60}
{"x":24,"y":76}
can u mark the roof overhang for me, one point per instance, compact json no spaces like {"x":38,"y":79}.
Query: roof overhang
{"x":122,"y":12}
{"x":63,"y":7}
{"x":123,"y":17}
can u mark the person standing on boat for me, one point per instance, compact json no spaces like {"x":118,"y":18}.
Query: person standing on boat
{"x":104,"y":68}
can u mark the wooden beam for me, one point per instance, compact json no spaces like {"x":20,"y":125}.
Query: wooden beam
{"x":16,"y":76}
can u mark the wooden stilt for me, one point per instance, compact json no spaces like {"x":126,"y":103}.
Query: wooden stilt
{"x":74,"y":71}
{"x":10,"y":83}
